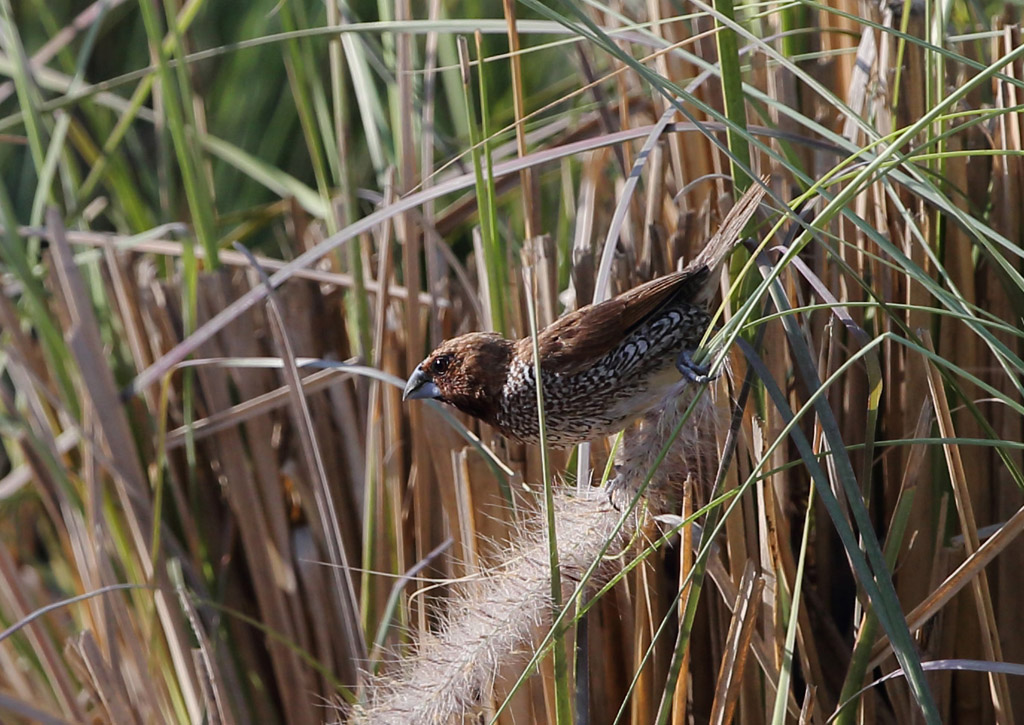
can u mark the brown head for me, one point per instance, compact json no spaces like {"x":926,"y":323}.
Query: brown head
{"x":468,"y":372}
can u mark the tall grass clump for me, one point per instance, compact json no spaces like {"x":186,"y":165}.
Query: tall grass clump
{"x":229,"y":231}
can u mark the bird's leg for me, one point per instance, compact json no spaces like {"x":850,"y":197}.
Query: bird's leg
{"x":613,"y":487}
{"x":692,"y":371}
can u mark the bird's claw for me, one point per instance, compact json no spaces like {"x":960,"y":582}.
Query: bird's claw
{"x":612,"y":489}
{"x":694,"y":372}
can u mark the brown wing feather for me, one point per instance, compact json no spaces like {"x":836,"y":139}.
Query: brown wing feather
{"x":578,"y":339}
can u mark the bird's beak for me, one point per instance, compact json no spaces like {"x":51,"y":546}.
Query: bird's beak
{"x":420,"y":386}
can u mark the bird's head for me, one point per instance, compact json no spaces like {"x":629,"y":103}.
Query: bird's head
{"x":468,"y":372}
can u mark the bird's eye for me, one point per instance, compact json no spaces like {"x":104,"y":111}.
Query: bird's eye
{"x":439,"y":366}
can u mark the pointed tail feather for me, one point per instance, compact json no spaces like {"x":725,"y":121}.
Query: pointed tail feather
{"x":728,"y":235}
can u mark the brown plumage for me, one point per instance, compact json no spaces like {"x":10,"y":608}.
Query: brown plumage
{"x":602,"y":365}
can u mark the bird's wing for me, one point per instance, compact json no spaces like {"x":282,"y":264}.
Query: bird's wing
{"x":578,"y":339}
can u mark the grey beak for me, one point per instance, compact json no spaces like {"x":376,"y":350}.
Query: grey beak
{"x":420,"y":386}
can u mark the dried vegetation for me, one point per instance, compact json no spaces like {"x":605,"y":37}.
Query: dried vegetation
{"x":194,"y":530}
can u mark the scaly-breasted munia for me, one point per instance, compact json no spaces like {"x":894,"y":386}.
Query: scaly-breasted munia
{"x":603,"y":365}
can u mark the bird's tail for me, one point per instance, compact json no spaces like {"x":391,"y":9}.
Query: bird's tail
{"x":728,"y":235}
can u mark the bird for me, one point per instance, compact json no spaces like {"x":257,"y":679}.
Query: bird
{"x":602,"y":366}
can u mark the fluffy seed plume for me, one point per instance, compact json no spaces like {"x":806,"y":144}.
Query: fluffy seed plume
{"x":453,"y":671}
